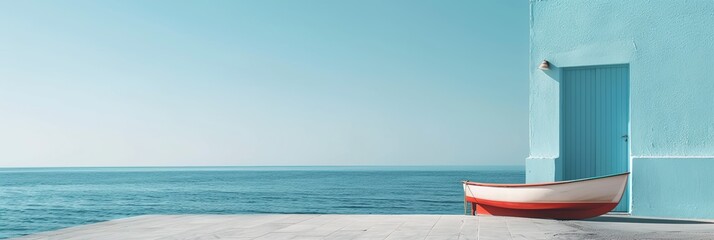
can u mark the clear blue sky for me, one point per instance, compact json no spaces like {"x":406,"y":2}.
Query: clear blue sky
{"x":137,"y":83}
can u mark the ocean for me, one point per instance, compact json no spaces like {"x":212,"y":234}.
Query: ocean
{"x":42,"y":199}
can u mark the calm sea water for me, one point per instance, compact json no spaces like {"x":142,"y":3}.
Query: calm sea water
{"x":42,"y":199}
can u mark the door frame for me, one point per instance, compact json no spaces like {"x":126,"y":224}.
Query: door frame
{"x":629,"y":122}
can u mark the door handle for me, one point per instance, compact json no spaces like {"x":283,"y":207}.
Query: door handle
{"x":625,"y":137}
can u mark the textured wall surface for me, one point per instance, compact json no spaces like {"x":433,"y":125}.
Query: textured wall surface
{"x":543,"y":170}
{"x":673,"y":187}
{"x":669,"y":46}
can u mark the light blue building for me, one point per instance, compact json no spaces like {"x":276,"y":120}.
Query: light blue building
{"x":630,"y":87}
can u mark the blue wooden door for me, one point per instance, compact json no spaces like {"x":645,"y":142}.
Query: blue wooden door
{"x":595,"y":119}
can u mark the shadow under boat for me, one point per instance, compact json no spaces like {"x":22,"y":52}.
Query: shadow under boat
{"x":631,"y":219}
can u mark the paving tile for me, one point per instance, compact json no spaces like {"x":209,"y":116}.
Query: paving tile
{"x":372,"y":227}
{"x":277,"y":236}
{"x":345,"y":234}
{"x":408,"y":234}
{"x":443,"y":237}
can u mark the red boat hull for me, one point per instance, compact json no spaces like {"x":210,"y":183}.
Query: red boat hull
{"x":564,"y":211}
{"x":574,"y":199}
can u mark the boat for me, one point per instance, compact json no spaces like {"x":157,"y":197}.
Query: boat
{"x":574,"y":199}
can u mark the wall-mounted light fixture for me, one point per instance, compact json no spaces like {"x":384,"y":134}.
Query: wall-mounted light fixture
{"x":545,"y":65}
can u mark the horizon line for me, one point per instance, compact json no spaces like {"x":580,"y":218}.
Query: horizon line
{"x":264,"y":166}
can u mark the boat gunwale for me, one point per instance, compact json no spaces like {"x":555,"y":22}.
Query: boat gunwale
{"x":515,"y":185}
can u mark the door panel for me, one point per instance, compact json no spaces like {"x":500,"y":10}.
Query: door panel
{"x":595,"y":117}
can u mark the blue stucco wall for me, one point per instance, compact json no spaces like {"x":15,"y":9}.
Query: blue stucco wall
{"x":669,"y":46}
{"x":682,"y":185}
{"x":543,"y":170}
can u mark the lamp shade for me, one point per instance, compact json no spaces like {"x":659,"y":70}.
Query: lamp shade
{"x":545,"y":65}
